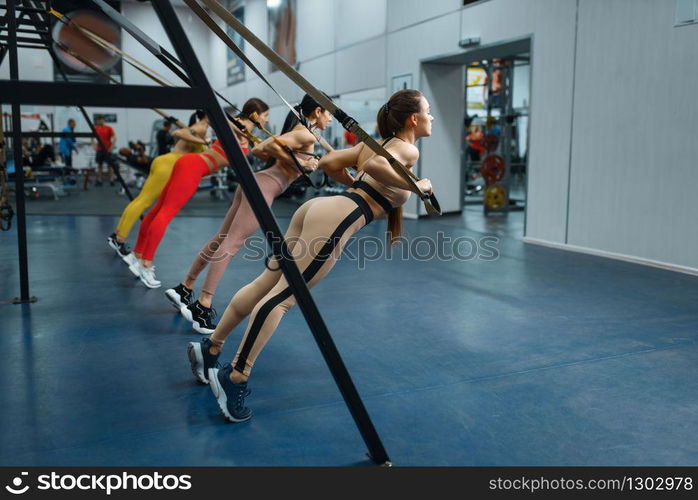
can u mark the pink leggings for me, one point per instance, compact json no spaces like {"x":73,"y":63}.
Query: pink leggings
{"x":186,"y":175}
{"x":239,"y":224}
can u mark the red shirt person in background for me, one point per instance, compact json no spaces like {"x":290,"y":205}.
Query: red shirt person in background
{"x":108,"y":138}
{"x":350,"y":139}
{"x":476,"y":142}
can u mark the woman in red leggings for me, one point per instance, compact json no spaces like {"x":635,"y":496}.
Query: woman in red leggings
{"x":186,"y":175}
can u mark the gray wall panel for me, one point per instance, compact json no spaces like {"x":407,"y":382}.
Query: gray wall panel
{"x":633,"y":171}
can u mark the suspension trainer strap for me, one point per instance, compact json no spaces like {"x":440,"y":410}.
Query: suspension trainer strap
{"x":160,"y":53}
{"x":147,"y":71}
{"x":292,"y":153}
{"x":99,"y":70}
{"x":206,"y":18}
{"x":430,"y":201}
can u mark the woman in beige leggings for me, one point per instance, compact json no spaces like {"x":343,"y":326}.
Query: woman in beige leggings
{"x":316,"y":236}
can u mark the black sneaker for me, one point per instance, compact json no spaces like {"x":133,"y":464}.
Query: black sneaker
{"x":201,"y":360}
{"x":230,"y":396}
{"x":201,"y":317}
{"x":180,"y":296}
{"x":121,"y":249}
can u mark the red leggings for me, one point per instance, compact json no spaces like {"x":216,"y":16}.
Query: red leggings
{"x":186,"y":175}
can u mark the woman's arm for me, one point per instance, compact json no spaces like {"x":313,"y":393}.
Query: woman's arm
{"x":343,"y":177}
{"x":259,"y":149}
{"x":336,"y":163}
{"x":300,"y":140}
{"x":190,"y":135}
{"x":379,"y":168}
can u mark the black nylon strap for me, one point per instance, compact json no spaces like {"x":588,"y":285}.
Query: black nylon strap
{"x":356,"y":198}
{"x":149,"y":72}
{"x":206,"y":18}
{"x":162,"y":54}
{"x":430,"y":201}
{"x":99,"y":70}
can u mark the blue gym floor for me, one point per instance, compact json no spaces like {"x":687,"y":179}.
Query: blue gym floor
{"x":542,"y":357}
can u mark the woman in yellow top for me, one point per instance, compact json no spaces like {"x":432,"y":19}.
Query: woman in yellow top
{"x":191,"y":140}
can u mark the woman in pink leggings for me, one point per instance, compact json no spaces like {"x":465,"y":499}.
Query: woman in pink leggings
{"x":240,"y":222}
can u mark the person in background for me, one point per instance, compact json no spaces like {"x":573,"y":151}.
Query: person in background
{"x":66,"y":146}
{"x":45,"y":157}
{"x":476,"y":143}
{"x":350,"y":139}
{"x":108,"y":138}
{"x":164,"y":139}
{"x":135,"y":156}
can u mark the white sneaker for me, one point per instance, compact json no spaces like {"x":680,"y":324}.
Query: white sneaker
{"x":148,"y":277}
{"x":135,"y":268}
{"x":130,"y":260}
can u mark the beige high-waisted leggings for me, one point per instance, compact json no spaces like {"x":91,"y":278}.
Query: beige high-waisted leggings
{"x":316,"y":236}
{"x":238,"y":225}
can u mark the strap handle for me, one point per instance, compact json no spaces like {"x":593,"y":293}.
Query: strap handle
{"x":304,"y":172}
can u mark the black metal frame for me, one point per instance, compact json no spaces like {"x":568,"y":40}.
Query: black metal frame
{"x":200,"y":95}
{"x":11,"y":21}
{"x":66,"y":94}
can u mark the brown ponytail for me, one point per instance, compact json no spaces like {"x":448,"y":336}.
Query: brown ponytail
{"x":391,"y":119}
{"x":394,"y":225}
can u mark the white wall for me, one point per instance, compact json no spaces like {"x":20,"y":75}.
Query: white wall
{"x":634,"y":153}
{"x":440,"y":154}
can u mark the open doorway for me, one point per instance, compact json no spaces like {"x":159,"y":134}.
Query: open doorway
{"x":494,"y":124}
{"x":496,"y":133}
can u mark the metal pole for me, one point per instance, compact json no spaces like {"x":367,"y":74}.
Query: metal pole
{"x":271,"y":229}
{"x":19,"y":170}
{"x":489,"y":69}
{"x":508,"y":82}
{"x":53,"y":129}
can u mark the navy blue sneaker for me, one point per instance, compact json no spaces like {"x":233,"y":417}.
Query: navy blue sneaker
{"x":230,"y":396}
{"x":201,"y":359}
